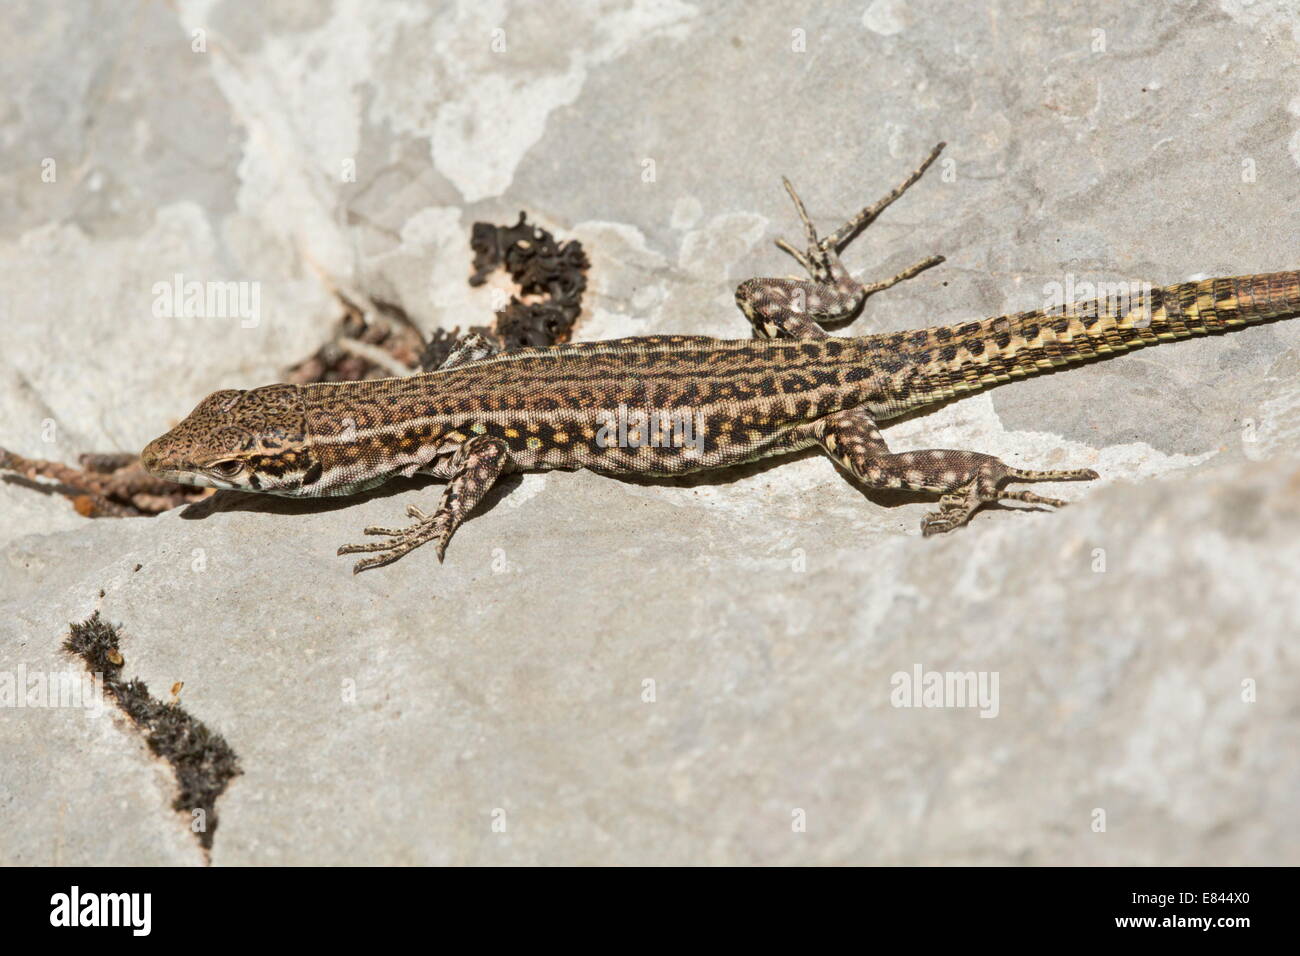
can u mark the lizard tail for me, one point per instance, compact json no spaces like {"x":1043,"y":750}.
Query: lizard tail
{"x":976,"y":355}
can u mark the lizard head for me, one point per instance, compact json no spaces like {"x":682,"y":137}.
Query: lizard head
{"x":254,"y":440}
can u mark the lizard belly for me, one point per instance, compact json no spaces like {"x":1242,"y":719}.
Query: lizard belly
{"x":682,"y":454}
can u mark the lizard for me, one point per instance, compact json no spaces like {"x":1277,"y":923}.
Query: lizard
{"x":669,"y":405}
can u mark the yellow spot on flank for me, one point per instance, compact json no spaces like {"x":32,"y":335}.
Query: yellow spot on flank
{"x":533,"y":443}
{"x":561,"y":438}
{"x":478,"y":428}
{"x":512,"y":432}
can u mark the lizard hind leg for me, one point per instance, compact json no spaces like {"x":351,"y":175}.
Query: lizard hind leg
{"x":846,"y":233}
{"x":982,"y":478}
{"x":966,"y":480}
{"x":795,"y":307}
{"x":985,"y":476}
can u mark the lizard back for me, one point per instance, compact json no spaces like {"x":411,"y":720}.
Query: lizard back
{"x":656,"y":404}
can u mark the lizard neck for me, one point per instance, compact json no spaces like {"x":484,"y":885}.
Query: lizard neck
{"x":364,"y":433}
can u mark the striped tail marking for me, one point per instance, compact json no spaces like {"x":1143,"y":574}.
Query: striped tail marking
{"x":964,"y":358}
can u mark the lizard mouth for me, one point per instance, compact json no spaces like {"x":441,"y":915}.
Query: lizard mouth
{"x":155,"y":462}
{"x":184,"y":477}
{"x":152,"y":459}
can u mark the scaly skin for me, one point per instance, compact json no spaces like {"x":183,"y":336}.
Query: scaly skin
{"x":724,"y":402}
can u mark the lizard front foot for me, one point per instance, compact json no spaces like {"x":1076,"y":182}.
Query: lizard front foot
{"x":427,"y":528}
{"x":474,"y":467}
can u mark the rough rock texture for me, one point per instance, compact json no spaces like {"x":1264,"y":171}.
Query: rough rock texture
{"x":609,"y":671}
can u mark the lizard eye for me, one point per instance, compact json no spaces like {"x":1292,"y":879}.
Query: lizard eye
{"x":228,"y":468}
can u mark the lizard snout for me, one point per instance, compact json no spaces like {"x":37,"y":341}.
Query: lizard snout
{"x":152,"y":456}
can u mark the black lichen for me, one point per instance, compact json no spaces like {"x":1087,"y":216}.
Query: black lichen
{"x":201,"y":760}
{"x":550,"y":275}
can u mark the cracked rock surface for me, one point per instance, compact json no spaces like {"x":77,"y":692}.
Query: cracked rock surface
{"x":618,"y":672}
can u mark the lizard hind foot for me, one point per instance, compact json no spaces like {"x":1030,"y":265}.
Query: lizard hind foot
{"x":957,"y":507}
{"x":1073,"y":474}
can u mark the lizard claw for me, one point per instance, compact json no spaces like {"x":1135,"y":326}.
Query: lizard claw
{"x":945,"y":519}
{"x":957,"y":506}
{"x":427,"y":528}
{"x":477,"y":464}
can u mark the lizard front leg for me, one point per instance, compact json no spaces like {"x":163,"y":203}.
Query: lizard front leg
{"x":474,"y":468}
{"x":470,"y":348}
{"x":967,"y":480}
{"x":796,"y":307}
